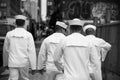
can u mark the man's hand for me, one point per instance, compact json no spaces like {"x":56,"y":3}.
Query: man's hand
{"x":33,"y":72}
{"x":42,"y":71}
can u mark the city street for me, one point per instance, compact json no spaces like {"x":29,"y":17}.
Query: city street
{"x":19,"y":19}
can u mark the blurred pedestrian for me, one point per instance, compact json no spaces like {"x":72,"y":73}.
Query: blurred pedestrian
{"x":46,"y":53}
{"x":76,"y":52}
{"x":20,"y":48}
{"x":102,"y":46}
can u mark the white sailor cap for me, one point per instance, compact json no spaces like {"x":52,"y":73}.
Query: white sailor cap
{"x":61,"y":24}
{"x":76,"y":21}
{"x":89,"y":26}
{"x":20,"y":17}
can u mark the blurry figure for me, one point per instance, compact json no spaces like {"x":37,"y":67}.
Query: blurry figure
{"x":33,"y":28}
{"x":102,"y":46}
{"x":56,"y":16}
{"x":76,"y":52}
{"x":46,"y":53}
{"x":6,"y":71}
{"x":19,"y":49}
{"x":49,"y":32}
{"x":38,"y":33}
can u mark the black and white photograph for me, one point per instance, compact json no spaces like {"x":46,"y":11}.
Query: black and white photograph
{"x":59,"y":40}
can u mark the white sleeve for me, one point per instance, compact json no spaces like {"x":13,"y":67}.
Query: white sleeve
{"x":42,"y":56}
{"x":96,"y":63}
{"x":58,"y":56}
{"x":32,"y":52}
{"x":105,"y":47}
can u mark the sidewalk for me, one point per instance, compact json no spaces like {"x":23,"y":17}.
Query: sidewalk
{"x":36,"y":76}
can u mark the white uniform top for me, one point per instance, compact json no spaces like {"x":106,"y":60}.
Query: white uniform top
{"x":20,"y":47}
{"x":47,"y":49}
{"x":102,"y":45}
{"x":76,"y":52}
{"x":102,"y":48}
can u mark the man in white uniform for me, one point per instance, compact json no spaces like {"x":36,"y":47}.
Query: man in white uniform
{"x":102,"y":46}
{"x":45,"y":57}
{"x":76,"y":52}
{"x":19,"y":45}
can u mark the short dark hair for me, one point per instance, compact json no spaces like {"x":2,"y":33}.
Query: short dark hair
{"x":75,"y":28}
{"x":90,"y":31}
{"x":20,"y":22}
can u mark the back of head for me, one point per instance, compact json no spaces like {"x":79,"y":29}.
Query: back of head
{"x":89,"y":29}
{"x":75,"y":25}
{"x":20,"y":20}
